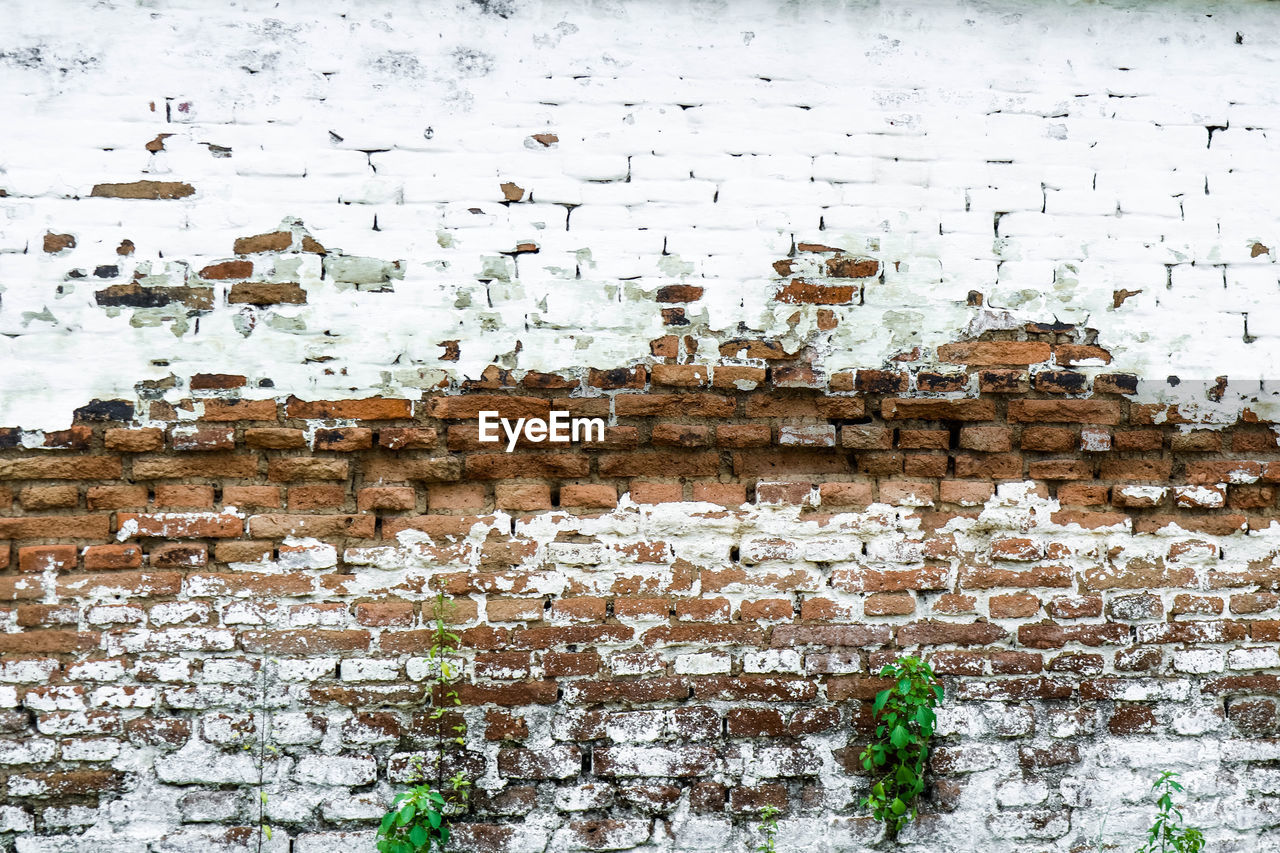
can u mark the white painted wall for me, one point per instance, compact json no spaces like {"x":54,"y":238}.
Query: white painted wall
{"x":715,"y":131}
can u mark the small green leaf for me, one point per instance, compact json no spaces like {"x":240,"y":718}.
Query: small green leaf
{"x":419,"y":836}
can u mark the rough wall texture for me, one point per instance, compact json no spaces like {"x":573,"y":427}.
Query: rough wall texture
{"x":921,"y":328}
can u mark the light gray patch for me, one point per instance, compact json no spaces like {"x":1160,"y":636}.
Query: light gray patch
{"x":470,"y":62}
{"x":397,"y":63}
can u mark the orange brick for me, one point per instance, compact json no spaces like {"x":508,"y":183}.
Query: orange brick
{"x":681,"y":375}
{"x":395,"y":498}
{"x":49,"y":497}
{"x":370,"y":409}
{"x":903,"y":493}
{"x":134,"y":440}
{"x":256,"y":496}
{"x":316,"y":497}
{"x":460,"y":496}
{"x":724,"y":494}
{"x":188,"y":497}
{"x":407,"y":438}
{"x":289,"y":469}
{"x":845,"y":494}
{"x":274,"y":438}
{"x":889,"y":604}
{"x":523,"y":498}
{"x":383,"y":614}
{"x":112,"y":557}
{"x":176,"y":525}
{"x":239,"y":410}
{"x":995,"y":353}
{"x":743,"y":435}
{"x":41,"y":558}
{"x":589,"y":496}
{"x":966,"y":492}
{"x":117,"y":497}
{"x":181,"y":555}
{"x":344,"y":439}
{"x":656,"y":493}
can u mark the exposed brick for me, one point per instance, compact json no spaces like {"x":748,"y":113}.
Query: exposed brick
{"x":938,"y":410}
{"x":995,"y":353}
{"x":134,"y":440}
{"x":1065,"y":411}
{"x":589,"y":496}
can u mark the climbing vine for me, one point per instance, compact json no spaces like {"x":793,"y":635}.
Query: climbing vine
{"x":896,"y":757}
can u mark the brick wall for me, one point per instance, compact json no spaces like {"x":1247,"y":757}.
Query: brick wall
{"x":914,"y":330}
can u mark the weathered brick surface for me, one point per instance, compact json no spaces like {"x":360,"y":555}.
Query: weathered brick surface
{"x":983,"y":378}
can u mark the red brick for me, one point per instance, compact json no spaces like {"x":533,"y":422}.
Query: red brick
{"x":743,"y":435}
{"x":680,"y":435}
{"x":804,"y":406}
{"x":238,"y":410}
{"x":383,"y":614}
{"x":407,"y":438}
{"x":966,"y":492}
{"x":202,"y":440}
{"x":845,"y":494}
{"x":274,"y":438}
{"x":316,"y":497}
{"x":1137,"y":470}
{"x":504,"y":466}
{"x":986,"y":439}
{"x":1048,"y":439}
{"x":724,"y":494}
{"x":256,"y":496}
{"x":133,"y":440}
{"x":801,"y":292}
{"x":112,"y":557}
{"x":189,"y":497}
{"x":674,"y":405}
{"x":278,"y":526}
{"x":41,"y":558}
{"x":589,"y":496}
{"x":211,"y":465}
{"x":681,"y":375}
{"x":291,"y":469}
{"x":60,"y":468}
{"x":1065,"y":411}
{"x":304,"y":641}
{"x":659,"y":464}
{"x":1003,"y":382}
{"x":655,"y":493}
{"x":522,"y":498}
{"x":56,"y":527}
{"x":736,"y":378}
{"x":177,"y":525}
{"x":1013,"y":606}
{"x":343,"y":439}
{"x":996,"y":466}
{"x":394,"y":498}
{"x":1079,"y":494}
{"x":937,"y":410}
{"x":618,"y":378}
{"x":181,"y":555}
{"x":995,"y":353}
{"x":368,"y":409}
{"x":49,"y":497}
{"x":1060,"y":469}
{"x":116,"y":497}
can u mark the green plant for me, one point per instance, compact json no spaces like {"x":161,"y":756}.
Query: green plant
{"x":259,"y":747}
{"x":896,"y":758}
{"x":769,"y":828}
{"x":1167,"y":833}
{"x":418,"y":821}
